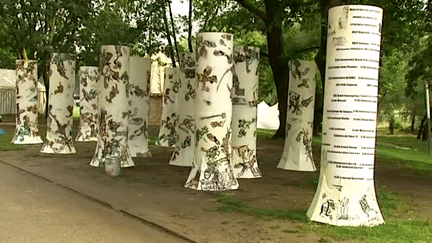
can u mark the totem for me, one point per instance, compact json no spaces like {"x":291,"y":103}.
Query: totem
{"x":168,"y":135}
{"x":26,"y":129}
{"x":184,"y":150}
{"x":60,"y":108}
{"x":244,"y":114}
{"x":297,"y":154}
{"x":212,"y":169}
{"x":114,"y":106}
{"x":346,"y":194}
{"x":89,"y":93}
{"x":139,"y":106}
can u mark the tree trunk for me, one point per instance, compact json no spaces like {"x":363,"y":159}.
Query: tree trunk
{"x":320,"y":60}
{"x":168,"y":36}
{"x":44,"y":70}
{"x":278,"y":62}
{"x":413,"y":116}
{"x":421,"y":128}
{"x":173,"y":31}
{"x":190,"y":27}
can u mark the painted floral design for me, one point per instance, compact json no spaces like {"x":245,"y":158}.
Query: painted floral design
{"x":89,"y":93}
{"x":212,"y":169}
{"x":139,"y":98}
{"x":60,"y":109}
{"x":297,"y":153}
{"x":114,"y":106}
{"x":184,"y":149}
{"x":245,"y":90}
{"x":170,"y":118}
{"x":26,"y":130}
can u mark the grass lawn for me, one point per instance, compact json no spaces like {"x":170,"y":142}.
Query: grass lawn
{"x":403,"y":222}
{"x":5,"y":142}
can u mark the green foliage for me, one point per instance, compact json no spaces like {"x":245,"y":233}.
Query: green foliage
{"x":108,"y":27}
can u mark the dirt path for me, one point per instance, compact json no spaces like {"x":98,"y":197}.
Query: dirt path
{"x":155,"y":191}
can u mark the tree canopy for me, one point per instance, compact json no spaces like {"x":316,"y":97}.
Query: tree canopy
{"x":283,"y":29}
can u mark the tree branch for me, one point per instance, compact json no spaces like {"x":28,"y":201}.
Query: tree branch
{"x":260,"y":14}
{"x":308,"y":49}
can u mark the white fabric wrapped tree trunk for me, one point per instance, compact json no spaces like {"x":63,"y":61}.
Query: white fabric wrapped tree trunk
{"x":26,"y":131}
{"x":212,"y":169}
{"x":139,"y":98}
{"x":244,"y":118}
{"x":114,"y":106}
{"x":297,"y":154}
{"x":184,"y":151}
{"x":346,"y":194}
{"x":60,"y":109}
{"x":168,"y":135}
{"x":89,"y":93}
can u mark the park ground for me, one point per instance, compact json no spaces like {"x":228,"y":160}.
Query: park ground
{"x":270,"y":209}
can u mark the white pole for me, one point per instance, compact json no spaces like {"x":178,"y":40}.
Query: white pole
{"x":168,"y":136}
{"x":114,"y":106}
{"x":428,"y":118}
{"x":139,"y":98}
{"x":89,"y":93}
{"x":346,"y":193}
{"x":212,"y":169}
{"x":60,"y":110}
{"x":26,"y":131}
{"x":184,"y":151}
{"x":244,"y":117}
{"x":297,"y":154}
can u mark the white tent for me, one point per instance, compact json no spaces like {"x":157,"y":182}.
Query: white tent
{"x":268,"y":116}
{"x":158,"y":63}
{"x":8,"y":93}
{"x":7,"y":78}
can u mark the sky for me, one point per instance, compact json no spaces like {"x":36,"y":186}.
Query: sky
{"x":180,"y":8}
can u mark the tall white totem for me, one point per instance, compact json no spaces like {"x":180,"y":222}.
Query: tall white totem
{"x":184,"y":151}
{"x":346,"y":194}
{"x":60,"y":109}
{"x":168,"y":135}
{"x":114,"y":106}
{"x":139,"y":98}
{"x":297,"y":154}
{"x":212,"y":169}
{"x":26,"y":131}
{"x":89,"y":94}
{"x":244,"y":113}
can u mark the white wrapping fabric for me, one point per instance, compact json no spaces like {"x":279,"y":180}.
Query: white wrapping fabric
{"x":168,"y":136}
{"x":297,"y":154}
{"x":212,"y":169}
{"x":184,"y":151}
{"x":60,"y":109}
{"x":244,"y":114}
{"x":139,"y":98}
{"x":114,"y":106}
{"x":346,"y":194}
{"x":89,"y":94}
{"x":26,"y":130}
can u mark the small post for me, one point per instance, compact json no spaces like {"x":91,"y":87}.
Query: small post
{"x":428,"y":117}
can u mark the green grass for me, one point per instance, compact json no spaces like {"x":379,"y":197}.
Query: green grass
{"x":5,"y":142}
{"x":152,"y":139}
{"x":403,"y":150}
{"x":265,"y":133}
{"x":76,"y":112}
{"x":403,"y":222}
{"x":232,"y":204}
